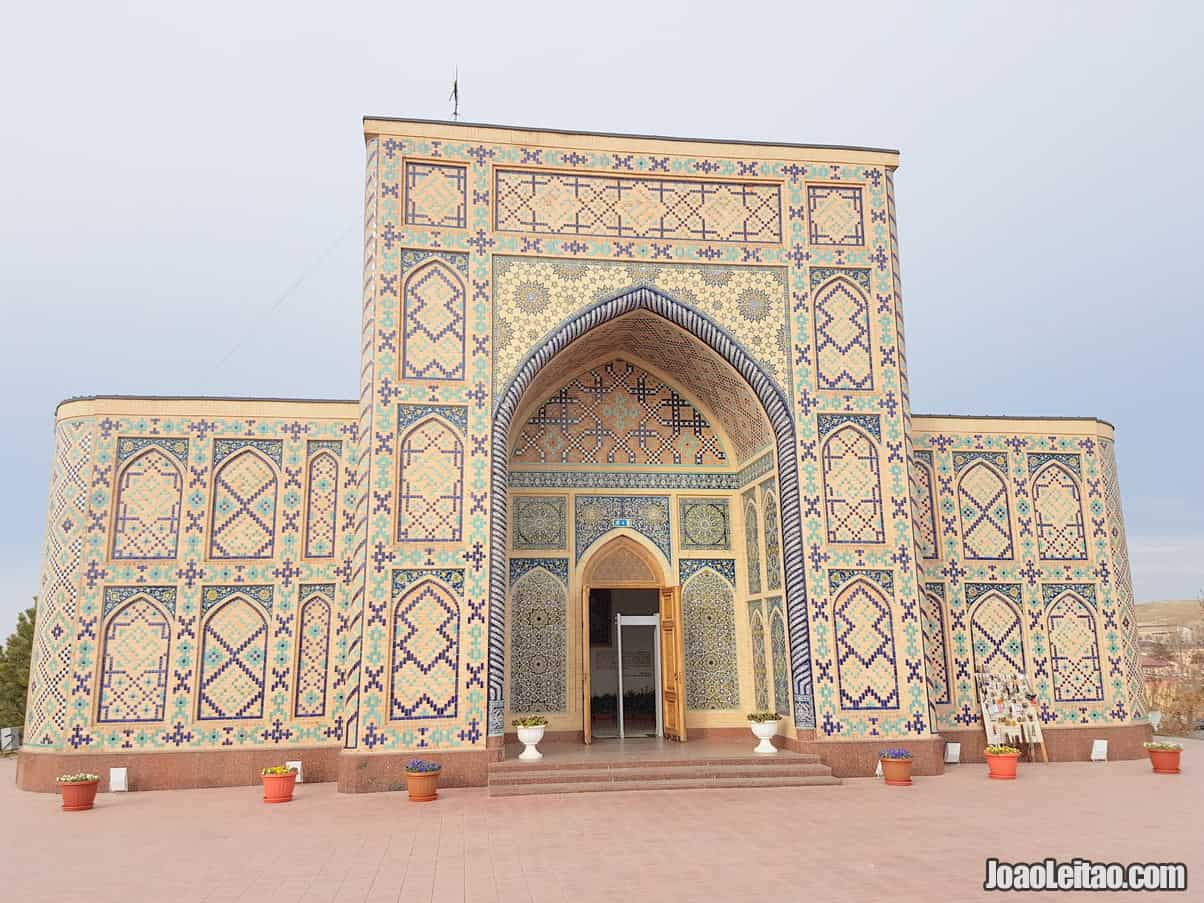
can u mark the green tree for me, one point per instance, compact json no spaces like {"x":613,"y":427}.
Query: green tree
{"x":14,"y":670}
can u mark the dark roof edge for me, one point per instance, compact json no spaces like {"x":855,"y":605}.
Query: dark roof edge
{"x":531,"y":128}
{"x":1107,"y":423}
{"x":250,"y":398}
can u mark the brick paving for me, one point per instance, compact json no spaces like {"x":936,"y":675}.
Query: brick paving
{"x":859,"y":841}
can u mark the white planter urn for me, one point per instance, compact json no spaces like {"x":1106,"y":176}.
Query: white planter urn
{"x":530,"y":737}
{"x":764,"y":731}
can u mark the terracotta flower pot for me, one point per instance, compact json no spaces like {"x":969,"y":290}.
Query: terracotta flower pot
{"x":1165,"y":761}
{"x":1002,"y":767}
{"x":78,"y":796}
{"x":897,"y":772}
{"x":423,"y":786}
{"x":278,"y":788}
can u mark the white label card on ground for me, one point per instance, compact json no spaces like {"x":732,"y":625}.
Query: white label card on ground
{"x":953,"y":753}
{"x":1099,"y":751}
{"x":118,"y":780}
{"x":296,"y":765}
{"x":878,"y":770}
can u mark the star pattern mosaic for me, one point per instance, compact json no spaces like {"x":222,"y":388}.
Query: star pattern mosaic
{"x":760,"y":655}
{"x":539,"y":635}
{"x":699,"y":372}
{"x":709,"y":638}
{"x":703,"y":523}
{"x":540,"y":522}
{"x":532,"y":296}
{"x":618,"y":413}
{"x":781,"y":655}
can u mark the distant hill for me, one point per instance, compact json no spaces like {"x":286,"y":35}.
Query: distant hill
{"x":1174,"y":611}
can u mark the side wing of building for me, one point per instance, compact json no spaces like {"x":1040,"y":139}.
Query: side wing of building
{"x":1021,"y":545}
{"x":196,"y":590}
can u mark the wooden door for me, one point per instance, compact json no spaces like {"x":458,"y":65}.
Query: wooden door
{"x":587,"y":727}
{"x":673,"y":688}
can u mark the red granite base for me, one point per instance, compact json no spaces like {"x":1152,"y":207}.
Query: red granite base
{"x":859,"y":758}
{"x":1066,"y":744}
{"x":363,"y":772}
{"x":174,"y":770}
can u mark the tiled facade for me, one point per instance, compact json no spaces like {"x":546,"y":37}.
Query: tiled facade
{"x":585,"y":358}
{"x":1029,"y":566}
{"x":198,"y":580}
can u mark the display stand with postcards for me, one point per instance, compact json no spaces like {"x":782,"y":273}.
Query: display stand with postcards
{"x":1010,"y":714}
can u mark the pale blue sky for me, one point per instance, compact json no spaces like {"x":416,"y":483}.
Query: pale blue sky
{"x":169,"y":171}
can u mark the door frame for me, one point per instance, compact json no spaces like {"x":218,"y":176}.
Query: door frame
{"x":619,"y":538}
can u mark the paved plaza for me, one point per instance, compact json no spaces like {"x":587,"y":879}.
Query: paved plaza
{"x":857,"y":841}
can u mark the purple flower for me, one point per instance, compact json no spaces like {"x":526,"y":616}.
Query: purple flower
{"x":422,"y":766}
{"x":894,"y":753}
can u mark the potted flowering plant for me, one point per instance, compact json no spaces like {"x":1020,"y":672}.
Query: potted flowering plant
{"x":530,"y":732}
{"x":78,"y":790}
{"x":896,"y":766}
{"x":422,"y":780}
{"x":1001,"y":762}
{"x":278,"y":783}
{"x":1164,"y":757}
{"x":764,"y":726}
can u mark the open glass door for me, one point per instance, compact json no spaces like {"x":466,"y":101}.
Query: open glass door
{"x":673,"y":691}
{"x":587,"y":731}
{"x":653,"y":622}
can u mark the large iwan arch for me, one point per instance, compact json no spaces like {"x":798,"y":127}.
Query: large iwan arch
{"x":780,"y":417}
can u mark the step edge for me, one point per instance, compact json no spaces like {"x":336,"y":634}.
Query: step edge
{"x":514,"y":764}
{"x":658,"y":774}
{"x":636,"y":786}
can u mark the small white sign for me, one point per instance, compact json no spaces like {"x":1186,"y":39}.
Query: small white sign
{"x":620,"y":522}
{"x":296,"y":765}
{"x":119,"y":780}
{"x":1099,"y":751}
{"x":953,"y":753}
{"x":878,"y":770}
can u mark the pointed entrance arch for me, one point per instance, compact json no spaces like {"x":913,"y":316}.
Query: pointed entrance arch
{"x":628,"y":560}
{"x":777,"y":409}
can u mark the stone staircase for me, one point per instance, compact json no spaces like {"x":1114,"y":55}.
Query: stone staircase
{"x":514,"y":778}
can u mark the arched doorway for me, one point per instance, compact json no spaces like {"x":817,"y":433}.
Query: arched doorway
{"x":764,"y":394}
{"x":625,"y":576}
